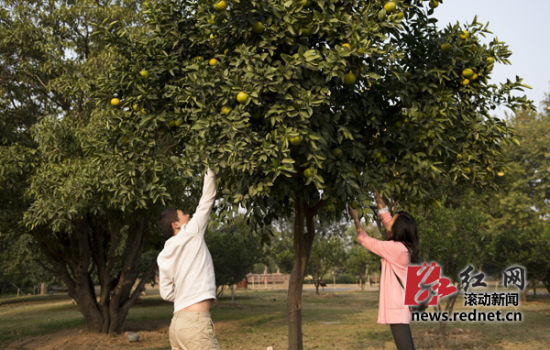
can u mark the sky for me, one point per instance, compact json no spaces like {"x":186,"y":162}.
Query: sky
{"x":523,"y":25}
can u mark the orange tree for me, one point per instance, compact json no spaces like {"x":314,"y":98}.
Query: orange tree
{"x":303,"y":106}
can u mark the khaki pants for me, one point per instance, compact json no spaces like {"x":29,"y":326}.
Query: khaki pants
{"x":192,"y":331}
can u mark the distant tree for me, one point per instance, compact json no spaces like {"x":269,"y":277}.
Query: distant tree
{"x":520,"y":212}
{"x":454,"y":238}
{"x":280,"y":249}
{"x":235,"y":250}
{"x":21,"y":268}
{"x":360,"y":262}
{"x":327,"y":253}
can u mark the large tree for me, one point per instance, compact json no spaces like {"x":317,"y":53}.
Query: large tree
{"x":303,"y":106}
{"x":90,"y":194}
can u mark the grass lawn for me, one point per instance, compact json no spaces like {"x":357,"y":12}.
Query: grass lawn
{"x":257,"y":319}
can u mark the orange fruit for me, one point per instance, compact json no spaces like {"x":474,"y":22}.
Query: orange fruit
{"x":115,"y":101}
{"x":445,"y":47}
{"x":390,"y":6}
{"x":295,"y":141}
{"x":220,"y":6}
{"x":242,"y":97}
{"x":468,"y":72}
{"x":349,"y":78}
{"x":258,"y":27}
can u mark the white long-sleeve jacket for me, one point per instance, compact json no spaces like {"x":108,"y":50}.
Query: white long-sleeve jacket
{"x":186,"y":270}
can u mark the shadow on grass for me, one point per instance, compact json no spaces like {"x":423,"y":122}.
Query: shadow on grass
{"x":33,"y":299}
{"x":538,"y":297}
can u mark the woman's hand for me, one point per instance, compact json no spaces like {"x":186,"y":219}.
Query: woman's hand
{"x":353,"y":213}
{"x":379,"y":200}
{"x":361,"y":238}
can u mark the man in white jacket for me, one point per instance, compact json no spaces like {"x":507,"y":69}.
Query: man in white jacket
{"x":186,"y":273}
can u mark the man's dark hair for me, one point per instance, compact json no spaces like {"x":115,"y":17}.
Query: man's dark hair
{"x":167,"y":217}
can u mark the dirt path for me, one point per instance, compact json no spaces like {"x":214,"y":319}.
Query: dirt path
{"x":78,"y":339}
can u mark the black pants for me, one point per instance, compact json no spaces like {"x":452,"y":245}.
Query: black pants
{"x":402,"y":335}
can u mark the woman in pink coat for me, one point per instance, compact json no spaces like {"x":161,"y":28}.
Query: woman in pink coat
{"x":397,"y":252}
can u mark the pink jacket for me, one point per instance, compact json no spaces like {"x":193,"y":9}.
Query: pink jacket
{"x":395,"y":258}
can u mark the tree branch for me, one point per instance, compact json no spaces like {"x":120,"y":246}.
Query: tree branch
{"x":60,"y":101}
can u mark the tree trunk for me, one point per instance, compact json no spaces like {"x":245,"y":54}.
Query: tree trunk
{"x":91,"y":251}
{"x":43,"y":288}
{"x":546,"y":281}
{"x":87,"y":305}
{"x":232,"y":292}
{"x":449,"y":307}
{"x":302,"y":249}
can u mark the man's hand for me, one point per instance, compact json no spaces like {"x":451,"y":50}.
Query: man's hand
{"x":205,"y":159}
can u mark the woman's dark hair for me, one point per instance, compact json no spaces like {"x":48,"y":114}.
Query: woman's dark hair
{"x":404,"y":231}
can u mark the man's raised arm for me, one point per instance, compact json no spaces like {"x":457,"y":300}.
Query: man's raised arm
{"x":199,"y":220}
